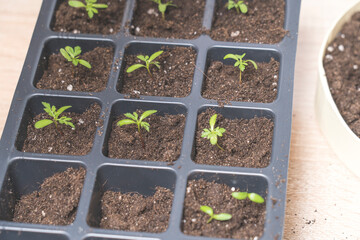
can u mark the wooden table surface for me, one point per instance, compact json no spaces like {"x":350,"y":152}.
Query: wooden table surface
{"x":323,"y":195}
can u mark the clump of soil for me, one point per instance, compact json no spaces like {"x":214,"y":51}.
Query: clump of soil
{"x":56,"y":201}
{"x":257,"y":85}
{"x":342,"y":67}
{"x":60,"y":74}
{"x":246,"y":142}
{"x":183,"y":21}
{"x":162,"y":143}
{"x":173,"y":79}
{"x":135,"y":212}
{"x":247,"y":221}
{"x":263,"y":23}
{"x":65,"y":140}
{"x":76,"y":20}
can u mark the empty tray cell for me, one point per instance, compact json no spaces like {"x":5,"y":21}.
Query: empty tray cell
{"x":21,"y":235}
{"x":246,"y":142}
{"x":56,"y":72}
{"x":77,"y":20}
{"x":63,"y":139}
{"x":263,"y":22}
{"x":223,"y":81}
{"x":215,"y":190}
{"x":172,"y":78}
{"x":162,"y":142}
{"x":41,"y":192}
{"x":132,"y":199}
{"x":181,"y":21}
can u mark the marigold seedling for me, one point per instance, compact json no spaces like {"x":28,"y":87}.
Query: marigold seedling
{"x":134,"y":119}
{"x":220,"y":217}
{"x":240,"y":6}
{"x":252,"y":196}
{"x":240,"y":62}
{"x":213,"y":133}
{"x":162,"y":6}
{"x":148,"y":61}
{"x":55,"y":115}
{"x":91,"y":6}
{"x":73,"y":54}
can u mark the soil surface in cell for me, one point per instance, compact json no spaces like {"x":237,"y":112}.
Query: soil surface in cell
{"x":76,"y":20}
{"x":183,"y":21}
{"x":246,"y":142}
{"x":55,"y":202}
{"x":247,"y":221}
{"x":64,"y":140}
{"x":263,"y":23}
{"x":60,"y":74}
{"x":257,"y":85}
{"x":135,"y":212}
{"x":173,"y":79}
{"x":342,"y":67}
{"x":162,"y":143}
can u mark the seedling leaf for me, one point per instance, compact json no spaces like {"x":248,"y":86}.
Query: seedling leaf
{"x":255,"y":198}
{"x":222,"y":216}
{"x":146,"y":114}
{"x":134,"y":67}
{"x":239,"y":195}
{"x":206,"y":209}
{"x":148,"y":61}
{"x":43,"y":123}
{"x":76,"y":4}
{"x":125,"y":122}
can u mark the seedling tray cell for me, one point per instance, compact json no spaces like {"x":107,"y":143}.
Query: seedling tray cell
{"x":23,"y":172}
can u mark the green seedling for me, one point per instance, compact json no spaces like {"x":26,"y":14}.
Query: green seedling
{"x":91,"y":6}
{"x":220,"y":217}
{"x":55,"y":115}
{"x":240,"y":62}
{"x":134,"y":119}
{"x":240,"y":6}
{"x":252,"y":196}
{"x":148,"y":61}
{"x":213,"y":133}
{"x":162,"y":6}
{"x":72,"y":55}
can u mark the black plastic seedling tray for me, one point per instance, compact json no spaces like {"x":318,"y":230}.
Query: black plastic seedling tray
{"x":22,"y":172}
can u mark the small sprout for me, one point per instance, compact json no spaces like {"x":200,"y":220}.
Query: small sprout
{"x":240,"y":6}
{"x":134,"y":119}
{"x":252,"y":196}
{"x":54,"y":114}
{"x":240,"y":62}
{"x":162,"y":6}
{"x":91,"y":6}
{"x":72,"y":55}
{"x":148,"y":61}
{"x":213,"y":133}
{"x":220,"y":217}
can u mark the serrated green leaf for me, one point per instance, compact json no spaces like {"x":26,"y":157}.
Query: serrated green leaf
{"x":136,"y":115}
{"x":43,"y":123}
{"x":213,"y":139}
{"x":232,"y":56}
{"x":90,"y":13}
{"x":145,"y":125}
{"x":253,"y":63}
{"x":65,"y":54}
{"x":134,"y":67}
{"x":141,"y":57}
{"x":162,"y":7}
{"x":222,"y":130}
{"x":237,"y":63}
{"x":156,"y":64}
{"x":146,"y":114}
{"x":222,"y":216}
{"x":75,"y":61}
{"x":85,"y":63}
{"x":155,"y":55}
{"x":213,"y":121}
{"x":255,"y":198}
{"x":239,"y":195}
{"x":94,"y":10}
{"x":61,"y":110}
{"x":70,"y":51}
{"x":125,"y":122}
{"x":129,"y":115}
{"x":242,"y":67}
{"x":77,"y":50}
{"x":70,"y":124}
{"x":206,"y":209}
{"x":76,"y":4}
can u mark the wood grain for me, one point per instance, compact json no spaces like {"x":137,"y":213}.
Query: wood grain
{"x":323,"y":195}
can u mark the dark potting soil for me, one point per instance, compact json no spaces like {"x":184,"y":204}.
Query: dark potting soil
{"x":263,"y":23}
{"x":162,"y":143}
{"x":173,"y":79}
{"x":65,"y":141}
{"x":342,"y":67}
{"x":246,"y":142}
{"x":135,"y":212}
{"x":55,"y":202}
{"x":183,"y":21}
{"x":76,"y":20}
{"x":59,"y":74}
{"x":222,"y":82}
{"x":247,"y":221}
